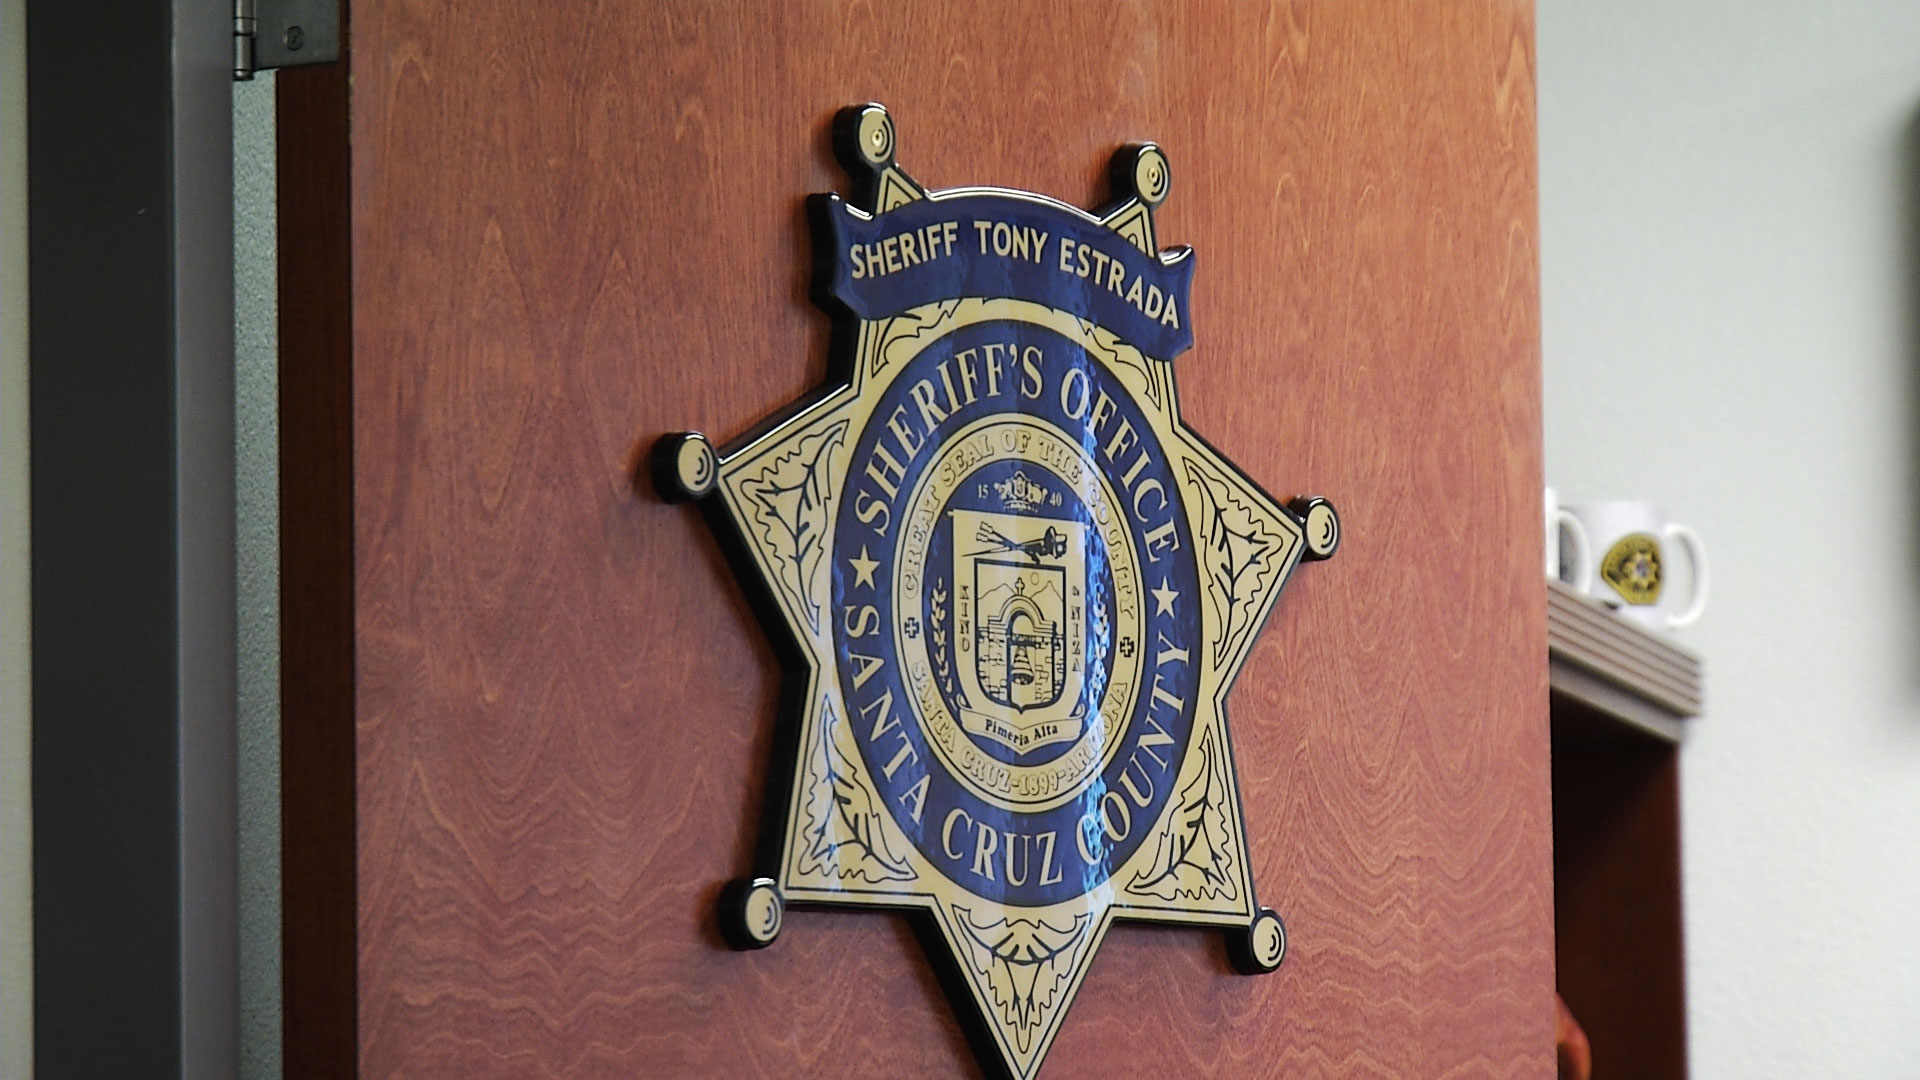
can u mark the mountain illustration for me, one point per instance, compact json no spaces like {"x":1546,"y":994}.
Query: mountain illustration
{"x":1033,"y":586}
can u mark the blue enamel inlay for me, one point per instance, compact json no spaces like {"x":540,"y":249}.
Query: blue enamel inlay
{"x":1139,"y":476}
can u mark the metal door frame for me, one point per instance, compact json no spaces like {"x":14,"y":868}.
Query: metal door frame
{"x":130,"y":250}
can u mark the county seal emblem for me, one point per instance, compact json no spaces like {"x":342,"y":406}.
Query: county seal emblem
{"x":1012,"y":586}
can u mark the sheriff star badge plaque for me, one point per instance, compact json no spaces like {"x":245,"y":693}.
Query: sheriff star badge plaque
{"x":1013,"y":590}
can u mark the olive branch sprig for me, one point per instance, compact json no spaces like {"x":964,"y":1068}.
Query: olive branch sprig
{"x":942,"y":668}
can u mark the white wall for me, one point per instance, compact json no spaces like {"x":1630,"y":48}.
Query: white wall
{"x":1730,"y":205}
{"x":257,"y":554}
{"x":16,"y":744}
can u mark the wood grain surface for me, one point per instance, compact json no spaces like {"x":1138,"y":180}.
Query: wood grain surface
{"x":579,"y":225}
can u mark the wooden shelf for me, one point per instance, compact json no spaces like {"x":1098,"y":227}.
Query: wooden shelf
{"x":1621,"y":698}
{"x":1619,"y":669}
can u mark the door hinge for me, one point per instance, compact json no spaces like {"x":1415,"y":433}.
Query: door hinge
{"x":271,"y":34}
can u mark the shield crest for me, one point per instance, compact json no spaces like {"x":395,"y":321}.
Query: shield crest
{"x":1024,"y":621}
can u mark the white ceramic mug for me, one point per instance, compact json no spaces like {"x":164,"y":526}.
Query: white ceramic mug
{"x":1565,"y":531}
{"x":1628,"y":561}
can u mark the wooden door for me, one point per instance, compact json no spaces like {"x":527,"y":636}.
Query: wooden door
{"x":528,"y":713}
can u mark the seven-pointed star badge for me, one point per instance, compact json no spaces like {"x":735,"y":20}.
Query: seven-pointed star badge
{"x":1020,"y":586}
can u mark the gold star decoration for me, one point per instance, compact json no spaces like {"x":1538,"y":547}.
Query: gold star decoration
{"x":863,"y":568}
{"x":1006,"y":740}
{"x":1163,"y":598}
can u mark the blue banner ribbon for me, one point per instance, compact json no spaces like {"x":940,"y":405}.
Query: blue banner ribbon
{"x":1002,"y":245}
